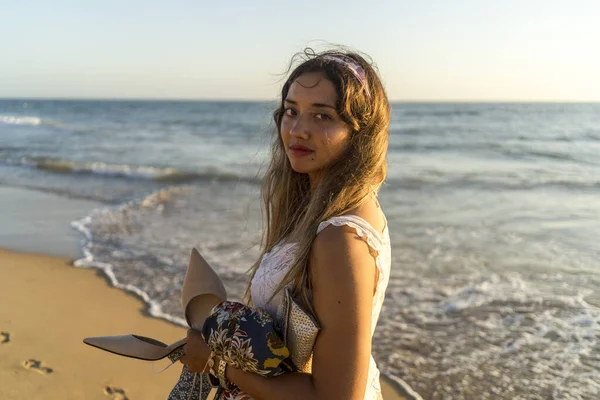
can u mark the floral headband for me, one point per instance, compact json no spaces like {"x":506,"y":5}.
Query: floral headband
{"x":353,"y":66}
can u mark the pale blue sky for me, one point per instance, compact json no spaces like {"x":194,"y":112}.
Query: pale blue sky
{"x":426,"y":50}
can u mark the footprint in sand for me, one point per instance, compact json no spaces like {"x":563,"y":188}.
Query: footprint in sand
{"x":4,"y":337}
{"x":115,"y":393}
{"x":36,"y":365}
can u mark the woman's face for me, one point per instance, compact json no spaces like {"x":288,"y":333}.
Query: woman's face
{"x":312,"y":132}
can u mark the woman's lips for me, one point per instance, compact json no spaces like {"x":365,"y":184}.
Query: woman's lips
{"x":300,"y":151}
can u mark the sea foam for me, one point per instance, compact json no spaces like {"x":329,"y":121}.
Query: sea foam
{"x":19,"y":120}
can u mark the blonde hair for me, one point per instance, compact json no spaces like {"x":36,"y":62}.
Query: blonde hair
{"x":292,"y":212}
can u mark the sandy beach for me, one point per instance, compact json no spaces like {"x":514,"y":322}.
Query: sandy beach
{"x":47,"y":306}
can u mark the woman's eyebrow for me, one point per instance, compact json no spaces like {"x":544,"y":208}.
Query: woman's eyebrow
{"x":318,"y":105}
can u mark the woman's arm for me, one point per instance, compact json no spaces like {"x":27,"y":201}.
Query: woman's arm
{"x":343,"y":277}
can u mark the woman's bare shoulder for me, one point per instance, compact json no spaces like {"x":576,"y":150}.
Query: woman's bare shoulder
{"x":340,"y":243}
{"x":371,"y":212}
{"x":338,"y":256}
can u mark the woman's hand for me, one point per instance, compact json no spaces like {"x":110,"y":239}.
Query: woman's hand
{"x":196,"y":352}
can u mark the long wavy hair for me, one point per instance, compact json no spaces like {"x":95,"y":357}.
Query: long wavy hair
{"x":291,"y":210}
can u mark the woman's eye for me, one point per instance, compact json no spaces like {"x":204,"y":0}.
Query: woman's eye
{"x":290,"y":112}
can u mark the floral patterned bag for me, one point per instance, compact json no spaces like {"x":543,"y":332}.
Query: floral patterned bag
{"x":245,"y":338}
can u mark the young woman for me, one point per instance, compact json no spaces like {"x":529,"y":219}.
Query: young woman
{"x":326,"y":235}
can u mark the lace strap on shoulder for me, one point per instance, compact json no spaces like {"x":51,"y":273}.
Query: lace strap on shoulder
{"x":373,"y":238}
{"x":362,"y":227}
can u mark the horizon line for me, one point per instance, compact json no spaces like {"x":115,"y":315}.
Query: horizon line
{"x":250,"y":100}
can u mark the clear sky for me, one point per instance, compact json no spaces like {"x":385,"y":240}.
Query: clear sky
{"x":426,"y":50}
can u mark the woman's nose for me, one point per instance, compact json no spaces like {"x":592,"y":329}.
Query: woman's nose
{"x":300,"y":127}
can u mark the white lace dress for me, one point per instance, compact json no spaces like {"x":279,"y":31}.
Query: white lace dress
{"x":275,"y":264}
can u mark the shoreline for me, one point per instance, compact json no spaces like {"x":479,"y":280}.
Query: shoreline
{"x":47,"y":306}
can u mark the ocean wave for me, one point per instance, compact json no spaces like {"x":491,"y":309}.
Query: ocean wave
{"x":19,"y":120}
{"x":157,"y":174}
{"x":98,"y":244}
{"x":592,"y":136}
{"x":441,"y":113}
{"x":493,"y":182}
{"x":501,"y":325}
{"x":142,"y":245}
{"x":552,"y":155}
{"x":27,"y":120}
{"x":442,"y":146}
{"x":89,"y":261}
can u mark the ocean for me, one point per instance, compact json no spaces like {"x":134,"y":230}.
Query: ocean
{"x":493,"y":210}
